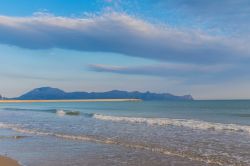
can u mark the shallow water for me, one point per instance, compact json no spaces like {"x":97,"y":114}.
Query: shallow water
{"x":127,"y":133}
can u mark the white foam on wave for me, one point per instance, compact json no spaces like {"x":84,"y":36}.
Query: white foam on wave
{"x":60,"y":112}
{"x":110,"y":141}
{"x":104,"y":140}
{"x":192,"y":124}
{"x":20,"y":129}
{"x":65,"y":112}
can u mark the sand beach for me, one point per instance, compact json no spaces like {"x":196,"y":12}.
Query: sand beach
{"x":5,"y":161}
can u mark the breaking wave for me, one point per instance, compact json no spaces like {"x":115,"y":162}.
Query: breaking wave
{"x":63,"y":112}
{"x":192,"y":124}
{"x":103,"y":140}
{"x":187,"y":123}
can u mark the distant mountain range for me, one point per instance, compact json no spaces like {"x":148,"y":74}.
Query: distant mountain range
{"x":48,"y":93}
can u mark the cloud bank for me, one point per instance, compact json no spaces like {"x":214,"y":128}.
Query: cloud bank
{"x":163,"y":70}
{"x":119,"y":33}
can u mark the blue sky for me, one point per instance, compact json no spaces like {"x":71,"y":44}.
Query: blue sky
{"x":177,"y":46}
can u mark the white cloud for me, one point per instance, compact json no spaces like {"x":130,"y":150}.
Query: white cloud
{"x":119,"y":33}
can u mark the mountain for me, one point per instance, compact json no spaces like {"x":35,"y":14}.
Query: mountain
{"x":48,"y":93}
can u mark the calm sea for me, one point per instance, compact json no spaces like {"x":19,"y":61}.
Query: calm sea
{"x":127,"y":133}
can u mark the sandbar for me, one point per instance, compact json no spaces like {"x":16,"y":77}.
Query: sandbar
{"x":63,"y":101}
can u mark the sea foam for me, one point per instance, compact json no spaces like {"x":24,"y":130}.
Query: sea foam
{"x":65,"y":112}
{"x":104,"y":140}
{"x":192,"y":124}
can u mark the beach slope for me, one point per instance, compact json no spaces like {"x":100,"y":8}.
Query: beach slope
{"x":5,"y":161}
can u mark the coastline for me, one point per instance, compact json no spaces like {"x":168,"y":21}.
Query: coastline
{"x":6,"y":161}
{"x":68,"y":101}
{"x":133,"y":133}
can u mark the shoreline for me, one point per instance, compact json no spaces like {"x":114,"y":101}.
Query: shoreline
{"x":6,"y":161}
{"x":68,"y":101}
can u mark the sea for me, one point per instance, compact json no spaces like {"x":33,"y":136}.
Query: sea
{"x":145,"y":133}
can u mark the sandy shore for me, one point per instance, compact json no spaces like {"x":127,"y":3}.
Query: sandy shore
{"x":58,"y":101}
{"x":5,"y":161}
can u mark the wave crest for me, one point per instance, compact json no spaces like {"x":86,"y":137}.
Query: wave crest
{"x":192,"y":124}
{"x":65,"y":112}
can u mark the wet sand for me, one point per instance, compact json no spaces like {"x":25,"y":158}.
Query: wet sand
{"x":5,"y":161}
{"x":63,"y":101}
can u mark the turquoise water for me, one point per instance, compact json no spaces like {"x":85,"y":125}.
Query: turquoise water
{"x":127,"y":133}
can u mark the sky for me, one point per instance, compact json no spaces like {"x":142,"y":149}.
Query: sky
{"x":174,"y":46}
